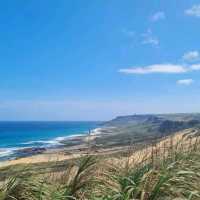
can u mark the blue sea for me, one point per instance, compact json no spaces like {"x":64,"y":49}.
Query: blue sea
{"x":15,"y":136}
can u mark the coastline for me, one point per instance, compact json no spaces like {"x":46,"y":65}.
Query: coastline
{"x":76,"y":151}
{"x":69,"y":147}
{"x":18,"y":138}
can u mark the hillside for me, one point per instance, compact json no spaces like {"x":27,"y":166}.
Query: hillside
{"x":135,"y":129}
{"x":121,"y":120}
{"x":165,"y":170}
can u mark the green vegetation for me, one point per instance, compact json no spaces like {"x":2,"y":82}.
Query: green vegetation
{"x":162,"y":172}
{"x":144,"y":129}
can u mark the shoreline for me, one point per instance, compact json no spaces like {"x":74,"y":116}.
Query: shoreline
{"x":69,"y":147}
{"x":74,"y":152}
{"x":22,"y":135}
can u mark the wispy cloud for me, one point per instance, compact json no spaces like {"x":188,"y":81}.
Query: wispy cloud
{"x":193,"y":11}
{"x":160,"y":69}
{"x":78,"y":110}
{"x":149,"y":38}
{"x":195,"y":67}
{"x":191,"y":56}
{"x":128,"y":33}
{"x":185,"y":82}
{"x":157,"y":16}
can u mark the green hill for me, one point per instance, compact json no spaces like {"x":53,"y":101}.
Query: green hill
{"x":134,"y":129}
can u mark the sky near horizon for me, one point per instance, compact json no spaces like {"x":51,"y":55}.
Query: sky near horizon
{"x":95,"y":59}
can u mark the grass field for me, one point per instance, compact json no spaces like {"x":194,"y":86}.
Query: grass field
{"x":166,"y":169}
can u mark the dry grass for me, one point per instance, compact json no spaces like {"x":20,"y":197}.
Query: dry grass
{"x":167,"y":169}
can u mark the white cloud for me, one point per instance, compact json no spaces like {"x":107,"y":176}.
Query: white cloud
{"x":161,"y":69}
{"x":149,"y":38}
{"x":191,"y":56}
{"x":157,"y":68}
{"x":157,"y":16}
{"x":185,"y":82}
{"x":193,"y":11}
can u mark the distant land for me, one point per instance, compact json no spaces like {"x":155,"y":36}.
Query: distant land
{"x":114,"y":135}
{"x":146,"y":127}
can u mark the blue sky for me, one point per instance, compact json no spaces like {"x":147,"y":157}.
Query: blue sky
{"x":95,"y":59}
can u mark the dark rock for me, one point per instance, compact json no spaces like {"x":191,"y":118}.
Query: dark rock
{"x":30,"y":151}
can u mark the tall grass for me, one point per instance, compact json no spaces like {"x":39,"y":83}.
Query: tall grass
{"x":167,"y":170}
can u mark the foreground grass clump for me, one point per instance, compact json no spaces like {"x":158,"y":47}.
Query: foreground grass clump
{"x":169,"y":180}
{"x":164,"y":171}
{"x":70,"y":184}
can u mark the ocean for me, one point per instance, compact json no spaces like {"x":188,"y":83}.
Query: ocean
{"x":15,"y":136}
